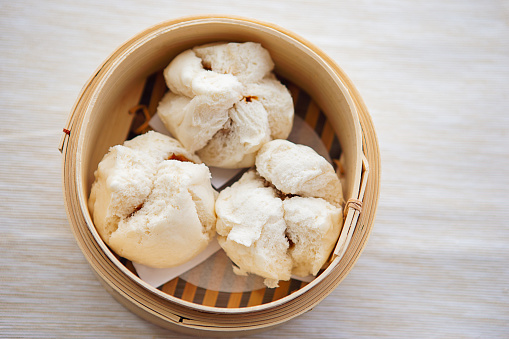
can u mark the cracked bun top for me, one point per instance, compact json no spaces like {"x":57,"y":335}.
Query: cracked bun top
{"x":224,"y":102}
{"x":298,"y":170}
{"x":152,"y":201}
{"x":282,"y":218}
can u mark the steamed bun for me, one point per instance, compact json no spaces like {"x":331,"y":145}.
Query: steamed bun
{"x":273,"y":232}
{"x":152,"y":201}
{"x":224,"y":102}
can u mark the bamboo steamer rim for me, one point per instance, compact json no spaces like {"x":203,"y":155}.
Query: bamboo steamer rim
{"x":118,"y":284}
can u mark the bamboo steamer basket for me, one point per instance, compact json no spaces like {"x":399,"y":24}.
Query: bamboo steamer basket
{"x":107,"y":112}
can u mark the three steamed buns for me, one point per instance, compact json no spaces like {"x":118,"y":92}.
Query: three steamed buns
{"x":152,"y":201}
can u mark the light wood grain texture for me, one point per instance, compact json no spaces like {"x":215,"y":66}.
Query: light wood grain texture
{"x":434,"y":75}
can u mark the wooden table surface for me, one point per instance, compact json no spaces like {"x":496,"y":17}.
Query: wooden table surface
{"x":435,"y":77}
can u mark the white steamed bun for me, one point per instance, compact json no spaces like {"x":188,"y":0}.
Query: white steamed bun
{"x":224,"y":102}
{"x":273,"y":232}
{"x":152,"y":201}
